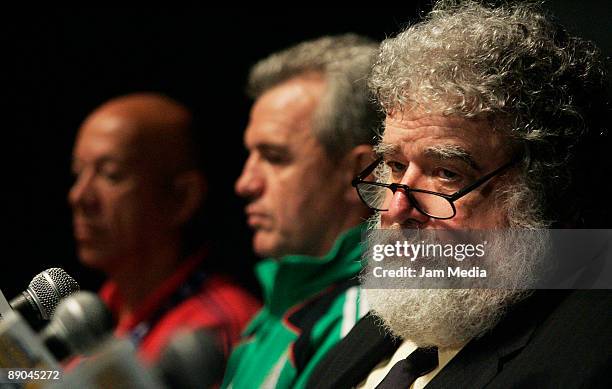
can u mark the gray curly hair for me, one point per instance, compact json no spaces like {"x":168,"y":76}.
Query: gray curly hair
{"x":515,"y":67}
{"x":346,"y":116}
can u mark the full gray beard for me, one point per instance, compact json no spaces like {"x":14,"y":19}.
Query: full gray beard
{"x":446,"y":318}
{"x":449,"y":318}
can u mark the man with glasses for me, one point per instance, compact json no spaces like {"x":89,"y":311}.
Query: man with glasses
{"x":494,"y":121}
{"x":310,"y":132}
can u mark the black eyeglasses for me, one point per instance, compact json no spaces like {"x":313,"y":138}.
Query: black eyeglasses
{"x":378,"y":195}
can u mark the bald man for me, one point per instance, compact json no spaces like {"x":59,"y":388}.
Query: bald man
{"x":137,"y":189}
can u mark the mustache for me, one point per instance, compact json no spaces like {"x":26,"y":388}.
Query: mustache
{"x":374,"y":222}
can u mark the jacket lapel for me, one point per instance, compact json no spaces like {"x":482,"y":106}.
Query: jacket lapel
{"x":352,"y":359}
{"x":476,"y":365}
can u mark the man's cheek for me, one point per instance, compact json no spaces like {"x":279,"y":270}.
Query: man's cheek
{"x":306,"y":206}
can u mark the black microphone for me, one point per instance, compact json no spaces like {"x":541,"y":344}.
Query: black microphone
{"x":37,"y":303}
{"x":192,"y":359}
{"x":81,"y":322}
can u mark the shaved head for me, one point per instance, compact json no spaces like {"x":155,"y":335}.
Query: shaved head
{"x":158,"y":126}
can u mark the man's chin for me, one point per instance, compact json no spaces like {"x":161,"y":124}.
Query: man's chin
{"x":265,"y":245}
{"x":96,"y":259}
{"x":446,"y":318}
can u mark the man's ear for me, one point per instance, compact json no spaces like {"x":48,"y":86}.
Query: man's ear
{"x":355,"y":161}
{"x":188,"y":193}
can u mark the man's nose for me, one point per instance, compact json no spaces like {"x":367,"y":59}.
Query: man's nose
{"x":250,"y":184}
{"x":402,"y":210}
{"x":82,"y":193}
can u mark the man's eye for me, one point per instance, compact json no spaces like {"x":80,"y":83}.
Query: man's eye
{"x":276,"y":158}
{"x":396,"y":167}
{"x":111,"y":175}
{"x":446,"y":174}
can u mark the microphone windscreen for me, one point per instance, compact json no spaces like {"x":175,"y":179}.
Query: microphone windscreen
{"x":81,"y":322}
{"x":192,"y":359}
{"x":115,"y":365}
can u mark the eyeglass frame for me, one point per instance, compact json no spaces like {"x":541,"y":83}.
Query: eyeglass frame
{"x":451,"y":198}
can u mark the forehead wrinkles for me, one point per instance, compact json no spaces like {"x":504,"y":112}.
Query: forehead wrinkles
{"x":431,"y":124}
{"x":407,"y":142}
{"x":474,"y":136}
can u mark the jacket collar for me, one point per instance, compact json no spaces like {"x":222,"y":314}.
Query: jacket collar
{"x":294,"y":278}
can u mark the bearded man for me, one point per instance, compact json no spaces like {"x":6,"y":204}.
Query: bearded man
{"x":493,"y":122}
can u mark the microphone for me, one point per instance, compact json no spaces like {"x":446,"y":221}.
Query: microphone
{"x":20,"y":347}
{"x":114,"y":365}
{"x":37,"y":303}
{"x":81,"y":322}
{"x":192,"y":359}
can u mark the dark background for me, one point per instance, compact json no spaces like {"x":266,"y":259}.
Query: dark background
{"x":56,"y":68}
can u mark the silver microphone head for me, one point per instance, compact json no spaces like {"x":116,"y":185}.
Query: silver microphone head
{"x":49,"y":287}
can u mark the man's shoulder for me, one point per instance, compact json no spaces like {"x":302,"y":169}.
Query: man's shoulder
{"x":574,"y":322}
{"x":555,"y":340}
{"x":219,"y":305}
{"x":571,"y":347}
{"x":219,"y":300}
{"x":326,"y":308}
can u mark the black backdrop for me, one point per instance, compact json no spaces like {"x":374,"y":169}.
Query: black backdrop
{"x":57,"y":67}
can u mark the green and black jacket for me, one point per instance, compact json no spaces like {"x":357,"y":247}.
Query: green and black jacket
{"x":309,"y":305}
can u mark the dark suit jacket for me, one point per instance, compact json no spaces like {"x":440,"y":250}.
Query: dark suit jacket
{"x":554,"y":339}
